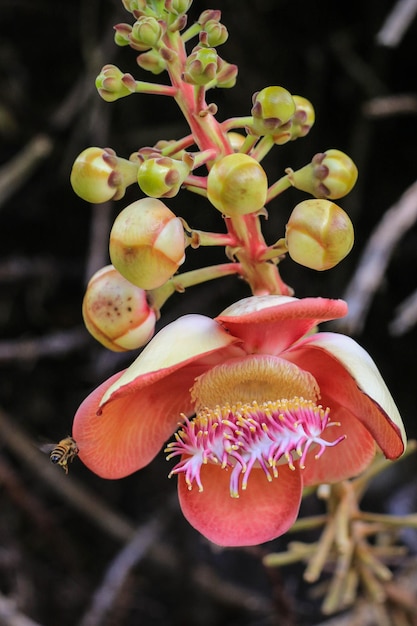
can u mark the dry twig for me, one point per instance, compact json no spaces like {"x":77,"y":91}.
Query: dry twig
{"x":397,"y":22}
{"x":375,"y":259}
{"x":119,"y":569}
{"x":11,"y":616}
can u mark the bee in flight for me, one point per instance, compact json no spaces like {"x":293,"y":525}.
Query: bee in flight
{"x":64,"y":452}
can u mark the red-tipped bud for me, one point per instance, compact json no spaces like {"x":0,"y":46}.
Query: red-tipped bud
{"x":331,"y":174}
{"x":98,"y":175}
{"x":273,"y":107}
{"x":214,"y":34}
{"x":319,"y":234}
{"x":117,"y":313}
{"x":112,"y":84}
{"x":177,"y":7}
{"x":201,"y":66}
{"x":146,"y":33}
{"x":147,"y":243}
{"x":122,"y":34}
{"x":151,"y":61}
{"x":237,"y":185}
{"x":226,"y":74}
{"x":162,"y":177}
{"x":303,"y":118}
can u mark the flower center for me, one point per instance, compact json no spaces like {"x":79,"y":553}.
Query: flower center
{"x":240,"y":437}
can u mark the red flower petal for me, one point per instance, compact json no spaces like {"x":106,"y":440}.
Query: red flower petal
{"x":339,"y":388}
{"x":131,"y":428}
{"x":270,"y":324}
{"x":345,"y":460}
{"x":263,"y":512}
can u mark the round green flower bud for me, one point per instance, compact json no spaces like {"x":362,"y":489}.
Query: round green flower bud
{"x":331,"y":174}
{"x":177,"y":7}
{"x":162,"y":177}
{"x":151,"y":62}
{"x":303,"y":118}
{"x":98,"y":175}
{"x":147,"y":243}
{"x":146,"y":32}
{"x":237,"y":185}
{"x":201,"y":66}
{"x":117,"y":313}
{"x":272,"y":108}
{"x":92,"y":175}
{"x":319,"y":234}
{"x":214,"y":34}
{"x":112,"y":84}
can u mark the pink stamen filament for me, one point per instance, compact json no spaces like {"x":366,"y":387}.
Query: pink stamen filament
{"x":250,"y":435}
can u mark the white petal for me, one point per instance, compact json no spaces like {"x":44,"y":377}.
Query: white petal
{"x":188,"y":336}
{"x":362,"y":368}
{"x":255,"y":303}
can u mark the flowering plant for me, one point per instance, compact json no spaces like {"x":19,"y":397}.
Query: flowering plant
{"x":269,"y":403}
{"x":259,"y":404}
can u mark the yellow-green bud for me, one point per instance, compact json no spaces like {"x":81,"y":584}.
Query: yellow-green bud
{"x":236,"y":140}
{"x":147,"y":243}
{"x":146,"y":33}
{"x":214,"y":34}
{"x":162,"y":177}
{"x":151,"y":61}
{"x":226,"y":74}
{"x":98,"y":175}
{"x":273,"y":107}
{"x":117,"y":313}
{"x":213,"y":15}
{"x":303,"y":118}
{"x":201,"y":66}
{"x":177,"y":7}
{"x":112,"y":84}
{"x":122,"y":34}
{"x":319,"y":234}
{"x":331,"y":174}
{"x":237,"y":185}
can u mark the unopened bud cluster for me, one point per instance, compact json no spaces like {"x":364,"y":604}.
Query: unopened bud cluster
{"x":147,"y":242}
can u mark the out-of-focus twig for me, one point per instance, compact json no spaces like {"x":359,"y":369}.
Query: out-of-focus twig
{"x":405,"y":316}
{"x":375,"y":258}
{"x":397,"y":22}
{"x":15,"y":173}
{"x":116,"y":574}
{"x":53,"y":344}
{"x":11,"y":616}
{"x":387,"y":106}
{"x":82,"y":499}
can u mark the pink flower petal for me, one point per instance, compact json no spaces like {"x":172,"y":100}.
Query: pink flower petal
{"x":270,"y":324}
{"x":345,"y":460}
{"x":263,"y":512}
{"x":348,"y":377}
{"x":130,"y":428}
{"x":186,"y":339}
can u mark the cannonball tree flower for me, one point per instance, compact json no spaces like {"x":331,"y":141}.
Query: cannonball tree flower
{"x":267,"y":407}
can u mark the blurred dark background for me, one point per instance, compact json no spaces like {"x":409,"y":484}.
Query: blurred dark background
{"x":55,"y":549}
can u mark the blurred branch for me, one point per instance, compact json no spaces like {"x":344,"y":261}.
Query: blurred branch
{"x":16,"y":172}
{"x":119,"y":569}
{"x":396,"y":24}
{"x":11,"y":616}
{"x":52,"y":345}
{"x":375,"y":259}
{"x":405,"y":316}
{"x":80,"y":498}
{"x":387,"y":106}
